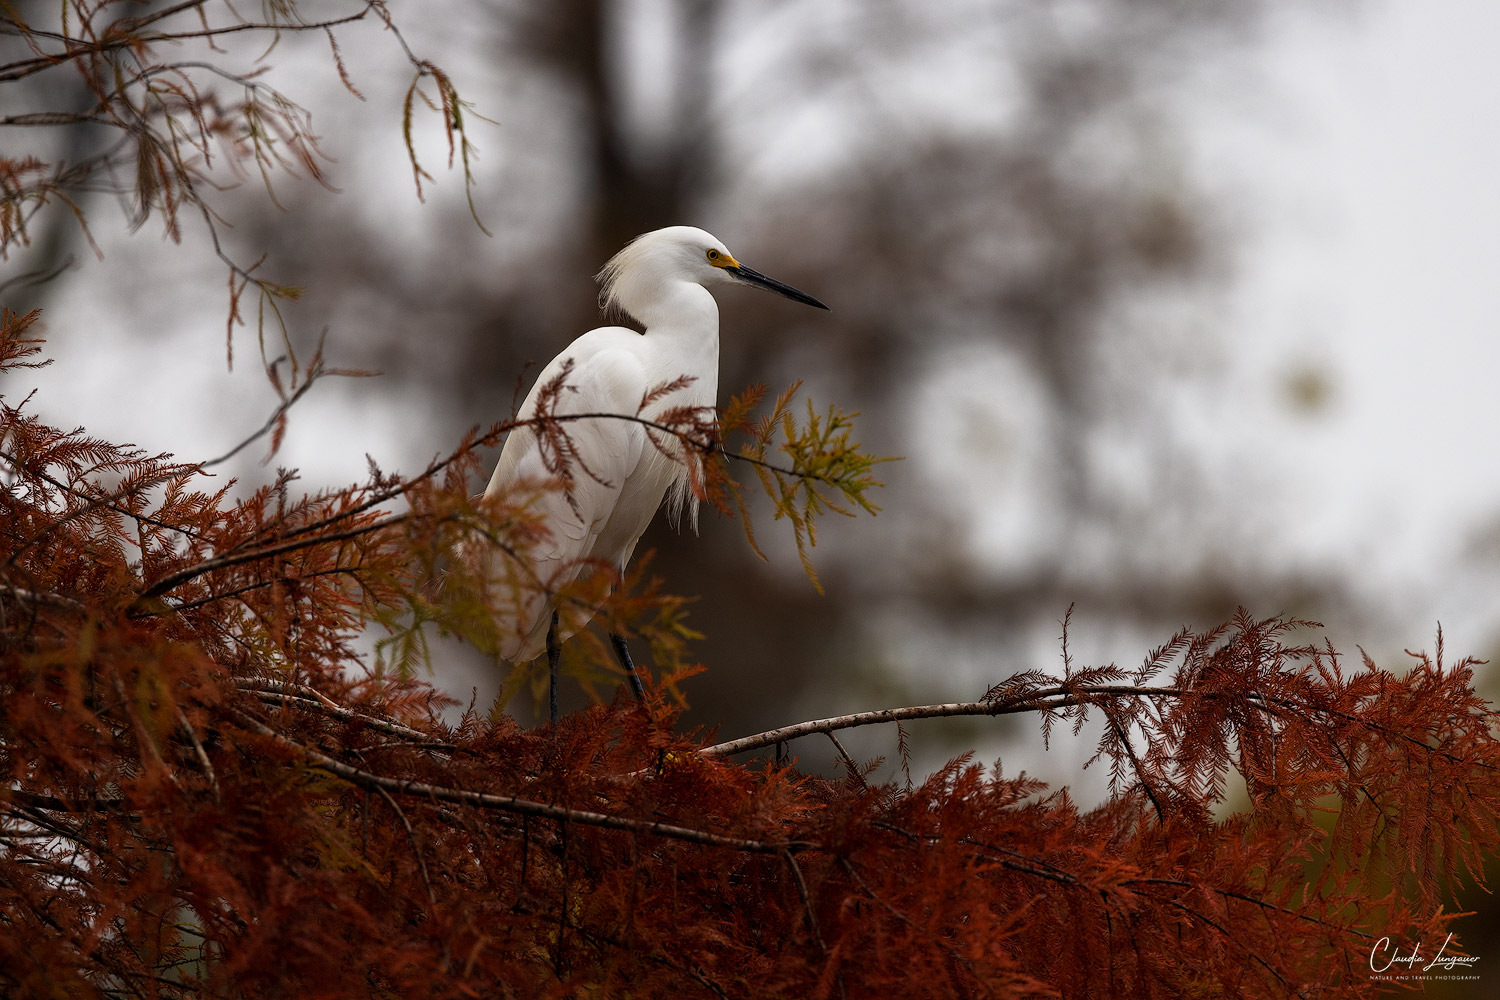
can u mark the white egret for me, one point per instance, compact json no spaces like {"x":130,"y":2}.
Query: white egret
{"x":662,"y":280}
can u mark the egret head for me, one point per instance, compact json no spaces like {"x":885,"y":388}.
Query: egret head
{"x":638,"y":275}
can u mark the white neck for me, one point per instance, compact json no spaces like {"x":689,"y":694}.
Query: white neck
{"x":676,"y":305}
{"x":683,"y":320}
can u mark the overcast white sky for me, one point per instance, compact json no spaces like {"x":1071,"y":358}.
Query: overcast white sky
{"x":1379,"y":218}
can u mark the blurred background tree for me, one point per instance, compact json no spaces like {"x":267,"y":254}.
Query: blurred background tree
{"x":1000,"y":202}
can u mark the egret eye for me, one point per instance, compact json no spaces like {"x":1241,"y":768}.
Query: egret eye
{"x":713,"y":255}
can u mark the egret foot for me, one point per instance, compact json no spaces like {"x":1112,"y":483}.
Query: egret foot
{"x":623,"y":652}
{"x":554,"y":651}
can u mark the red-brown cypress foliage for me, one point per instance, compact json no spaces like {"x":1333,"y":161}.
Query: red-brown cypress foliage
{"x":206,"y":795}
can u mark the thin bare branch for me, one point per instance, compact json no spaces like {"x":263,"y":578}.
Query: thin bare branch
{"x":202,"y":755}
{"x":411,"y":837}
{"x":509,"y":803}
{"x":278,"y":692}
{"x":141,"y":607}
{"x":773,"y":736}
{"x":807,"y":906}
{"x":34,"y":597}
{"x":1043,"y":700}
{"x":848,"y":761}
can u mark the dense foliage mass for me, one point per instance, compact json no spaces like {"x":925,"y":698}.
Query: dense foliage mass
{"x":207,"y":794}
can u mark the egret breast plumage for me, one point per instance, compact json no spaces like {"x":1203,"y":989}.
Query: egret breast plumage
{"x":621,"y":470}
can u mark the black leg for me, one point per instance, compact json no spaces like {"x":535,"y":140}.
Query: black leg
{"x":623,"y":652}
{"x":554,"y":651}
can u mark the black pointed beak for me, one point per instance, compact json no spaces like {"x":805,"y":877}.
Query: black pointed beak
{"x":754,"y":277}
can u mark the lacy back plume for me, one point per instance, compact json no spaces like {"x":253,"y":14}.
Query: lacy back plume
{"x":609,"y":278}
{"x":680,"y":497}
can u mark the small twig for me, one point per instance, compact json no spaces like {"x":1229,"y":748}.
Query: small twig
{"x":208,"y":768}
{"x":176,"y":579}
{"x":276,"y":692}
{"x":864,"y":886}
{"x":1027,"y":865}
{"x":250,"y":588}
{"x":270,"y":424}
{"x":143,"y":737}
{"x":1135,"y":762}
{"x":40,"y":276}
{"x":807,"y":907}
{"x":1263,"y":904}
{"x":51,"y":803}
{"x":849,"y":762}
{"x":36,"y":597}
{"x":411,"y":837}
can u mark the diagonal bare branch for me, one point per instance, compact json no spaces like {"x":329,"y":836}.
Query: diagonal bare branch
{"x":510,"y":803}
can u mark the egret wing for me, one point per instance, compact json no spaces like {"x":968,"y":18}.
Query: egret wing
{"x":577,"y":470}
